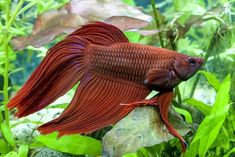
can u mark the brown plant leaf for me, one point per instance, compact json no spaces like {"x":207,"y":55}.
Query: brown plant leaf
{"x":76,"y":13}
{"x":47,"y":34}
{"x":149,"y":32}
{"x":126,"y":23}
{"x":103,"y":9}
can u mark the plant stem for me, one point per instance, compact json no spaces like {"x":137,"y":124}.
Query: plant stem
{"x":10,"y":20}
{"x":177,"y":91}
{"x":157,"y":21}
{"x":194,"y":86}
{"x":1,"y":118}
{"x":208,"y":54}
{"x":4,"y":41}
{"x":173,"y":45}
{"x":5,"y":86}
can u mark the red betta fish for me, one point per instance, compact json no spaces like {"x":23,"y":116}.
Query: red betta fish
{"x":115,"y":76}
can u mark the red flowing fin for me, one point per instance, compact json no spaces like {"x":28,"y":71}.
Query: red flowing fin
{"x":63,"y":66}
{"x":152,"y":102}
{"x":95,"y":105}
{"x":157,"y":76}
{"x":99,"y":33}
{"x":164,"y":101}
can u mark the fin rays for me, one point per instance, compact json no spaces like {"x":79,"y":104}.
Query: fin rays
{"x":90,"y":111}
{"x":64,"y":65}
{"x":60,"y":70}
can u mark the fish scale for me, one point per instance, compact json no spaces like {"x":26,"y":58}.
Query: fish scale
{"x":122,"y":60}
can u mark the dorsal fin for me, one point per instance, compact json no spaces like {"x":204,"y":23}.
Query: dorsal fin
{"x":100,"y":33}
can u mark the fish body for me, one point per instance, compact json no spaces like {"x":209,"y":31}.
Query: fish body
{"x":134,"y":62}
{"x":111,"y":71}
{"x":123,"y":61}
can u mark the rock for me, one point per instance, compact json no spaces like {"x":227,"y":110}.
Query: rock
{"x":25,"y":132}
{"x":143,"y":127}
{"x":46,"y":152}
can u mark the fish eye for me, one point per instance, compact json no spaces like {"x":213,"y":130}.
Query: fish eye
{"x":192,"y":61}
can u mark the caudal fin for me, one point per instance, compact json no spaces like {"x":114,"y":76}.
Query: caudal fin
{"x":63,"y":66}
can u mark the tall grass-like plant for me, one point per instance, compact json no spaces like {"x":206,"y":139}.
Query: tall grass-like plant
{"x":9,"y":15}
{"x":214,"y":119}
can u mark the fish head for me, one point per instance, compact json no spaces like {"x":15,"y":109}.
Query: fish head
{"x":182,"y":68}
{"x":185,"y":67}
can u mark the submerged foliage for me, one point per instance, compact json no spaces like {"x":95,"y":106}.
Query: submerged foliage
{"x":201,"y":28}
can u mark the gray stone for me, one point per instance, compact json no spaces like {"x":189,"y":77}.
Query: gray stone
{"x":25,"y":132}
{"x":46,"y":152}
{"x":143,"y":127}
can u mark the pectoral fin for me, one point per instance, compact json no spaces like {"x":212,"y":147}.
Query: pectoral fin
{"x":157,"y":76}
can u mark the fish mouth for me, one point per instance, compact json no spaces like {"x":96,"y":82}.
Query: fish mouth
{"x":200,"y":62}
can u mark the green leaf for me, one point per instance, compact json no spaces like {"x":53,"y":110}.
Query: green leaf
{"x":15,"y":71}
{"x":36,"y":144}
{"x":4,"y":147}
{"x":129,"y":2}
{"x":133,"y":37}
{"x":185,"y":113}
{"x":1,"y":71}
{"x":211,"y":78}
{"x":231,"y":124}
{"x":230,"y":152}
{"x":222,"y":140}
{"x":29,"y":5}
{"x":207,"y":125}
{"x":23,"y":151}
{"x":211,"y":125}
{"x":62,"y":106}
{"x":73,"y":144}
{"x":130,"y":155}
{"x":6,"y":131}
{"x":188,"y":47}
{"x":222,"y":97}
{"x":11,"y":154}
{"x":12,"y":54}
{"x":207,"y":141}
{"x":1,"y":109}
{"x":204,"y":108}
{"x":142,"y":152}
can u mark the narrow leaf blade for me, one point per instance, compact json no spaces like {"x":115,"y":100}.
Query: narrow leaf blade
{"x":211,"y":78}
{"x":7,"y":134}
{"x":73,"y":144}
{"x":23,"y":151}
{"x":204,"y":108}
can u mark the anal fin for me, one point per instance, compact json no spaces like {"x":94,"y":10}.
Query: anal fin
{"x":164,"y":100}
{"x":96,"y":104}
